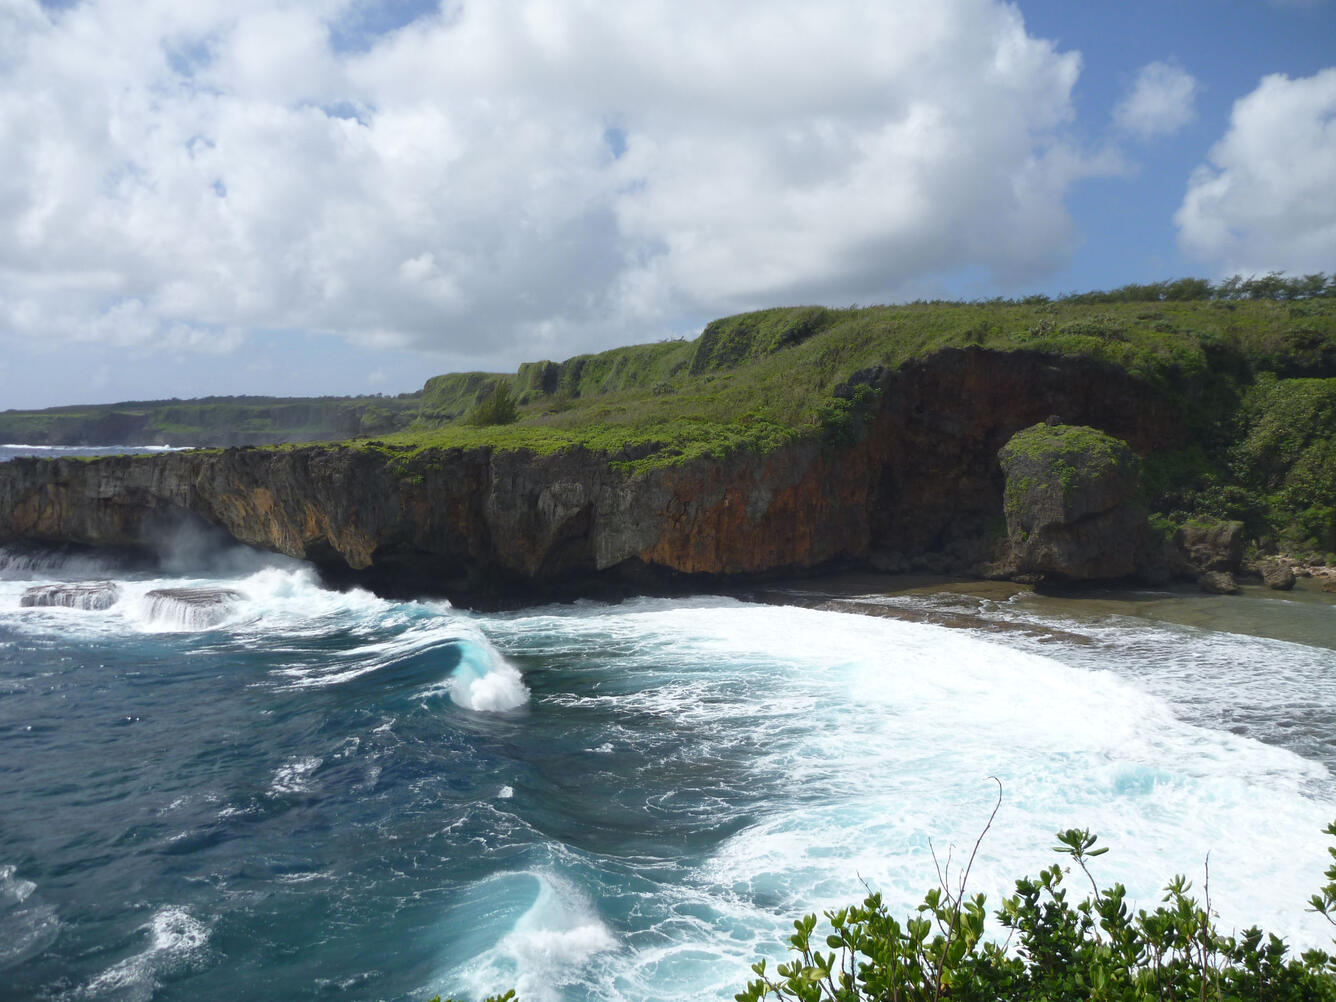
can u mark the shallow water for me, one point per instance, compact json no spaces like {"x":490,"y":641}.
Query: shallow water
{"x":332,"y":795}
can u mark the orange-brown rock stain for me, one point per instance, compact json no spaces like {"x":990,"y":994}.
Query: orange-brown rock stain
{"x":819,"y":517}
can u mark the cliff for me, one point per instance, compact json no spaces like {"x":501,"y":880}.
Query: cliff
{"x":210,"y":421}
{"x":912,"y":480}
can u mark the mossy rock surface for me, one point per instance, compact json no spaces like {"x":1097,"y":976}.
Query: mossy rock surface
{"x":1073,"y":503}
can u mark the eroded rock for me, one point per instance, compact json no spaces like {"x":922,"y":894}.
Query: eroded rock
{"x":92,"y":595}
{"x":191,"y":608}
{"x":1212,"y":545}
{"x":1218,"y":583}
{"x":916,"y":474}
{"x":1277,"y":574}
{"x":1073,"y":503}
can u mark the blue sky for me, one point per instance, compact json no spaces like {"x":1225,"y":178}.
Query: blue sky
{"x":341,"y":196}
{"x":1127,"y":222}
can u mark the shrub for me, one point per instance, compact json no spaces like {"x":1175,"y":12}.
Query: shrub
{"x":1095,"y":949}
{"x":1056,"y":949}
{"x":496,"y":407}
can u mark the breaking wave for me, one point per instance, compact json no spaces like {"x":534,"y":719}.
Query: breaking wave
{"x":544,"y":931}
{"x":485,"y":681}
{"x":176,"y":940}
{"x":27,"y":925}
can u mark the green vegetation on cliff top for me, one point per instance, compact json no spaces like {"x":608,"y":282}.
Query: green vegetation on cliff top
{"x":1252,"y":365}
{"x":782,"y":367}
{"x":1255,"y":380}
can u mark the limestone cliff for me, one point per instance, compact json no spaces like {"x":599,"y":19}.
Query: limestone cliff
{"x":921,"y":477}
{"x":1073,"y":504}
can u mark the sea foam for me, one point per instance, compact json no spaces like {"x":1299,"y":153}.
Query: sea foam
{"x":548,"y":946}
{"x":485,"y":681}
{"x":27,"y":926}
{"x":176,"y":940}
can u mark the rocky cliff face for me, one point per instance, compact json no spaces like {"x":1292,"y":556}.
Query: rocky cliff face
{"x":1073,"y":504}
{"x":922,"y":478}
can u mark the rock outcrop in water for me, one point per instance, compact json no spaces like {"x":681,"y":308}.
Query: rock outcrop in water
{"x":92,"y":595}
{"x":191,"y":608}
{"x":1073,"y":504}
{"x":920,"y":484}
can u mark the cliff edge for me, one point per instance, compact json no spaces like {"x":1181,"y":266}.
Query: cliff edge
{"x":912,"y":479}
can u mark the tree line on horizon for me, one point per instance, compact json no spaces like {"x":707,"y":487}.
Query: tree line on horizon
{"x":1274,"y":285}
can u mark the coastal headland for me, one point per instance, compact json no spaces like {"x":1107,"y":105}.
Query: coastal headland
{"x":1050,"y":442}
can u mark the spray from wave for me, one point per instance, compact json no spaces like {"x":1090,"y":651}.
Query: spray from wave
{"x":176,"y":941}
{"x":547,"y":948}
{"x":485,"y":681}
{"x":189,"y":608}
{"x":27,"y":926}
{"x":28,"y":561}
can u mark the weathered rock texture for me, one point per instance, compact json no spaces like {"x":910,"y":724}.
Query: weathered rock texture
{"x":191,"y":608}
{"x":1277,"y":574}
{"x":1073,"y":504}
{"x":1212,"y":546}
{"x":1218,"y":583}
{"x":921,"y":478}
{"x":93,"y":595}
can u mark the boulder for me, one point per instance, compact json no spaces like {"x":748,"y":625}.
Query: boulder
{"x":1073,"y":504}
{"x":1211,"y":545}
{"x":1277,"y":574}
{"x":191,"y":608}
{"x":94,"y":595}
{"x":1218,"y":583}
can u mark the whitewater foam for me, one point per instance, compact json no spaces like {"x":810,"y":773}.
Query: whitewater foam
{"x":19,"y":562}
{"x":868,"y":737}
{"x":548,"y":946}
{"x":695,"y":774}
{"x":27,"y":925}
{"x":294,"y":776}
{"x":176,"y":940}
{"x":485,"y":681}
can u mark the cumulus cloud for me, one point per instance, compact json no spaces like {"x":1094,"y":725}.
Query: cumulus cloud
{"x":1160,"y":101}
{"x":1264,"y":201}
{"x":521,"y":178}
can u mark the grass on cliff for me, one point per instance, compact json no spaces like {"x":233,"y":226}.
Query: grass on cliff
{"x":1252,"y":379}
{"x":1249,"y":363}
{"x":761,"y":379}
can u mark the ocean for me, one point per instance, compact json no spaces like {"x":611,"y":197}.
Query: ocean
{"x":292,"y":792}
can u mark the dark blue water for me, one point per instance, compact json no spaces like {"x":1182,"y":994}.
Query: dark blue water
{"x":319,"y":795}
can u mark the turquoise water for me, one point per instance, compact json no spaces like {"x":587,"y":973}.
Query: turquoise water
{"x":330,"y":795}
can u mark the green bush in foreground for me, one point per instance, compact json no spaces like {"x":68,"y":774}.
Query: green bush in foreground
{"x":1056,"y":949}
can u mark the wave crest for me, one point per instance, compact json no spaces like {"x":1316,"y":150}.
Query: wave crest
{"x":485,"y":681}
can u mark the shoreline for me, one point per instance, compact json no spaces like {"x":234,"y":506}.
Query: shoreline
{"x":1252,"y":612}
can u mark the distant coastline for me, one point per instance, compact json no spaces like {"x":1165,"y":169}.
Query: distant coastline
{"x":16,"y":450}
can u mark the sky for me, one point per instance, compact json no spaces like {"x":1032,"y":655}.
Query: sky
{"x":347,"y":197}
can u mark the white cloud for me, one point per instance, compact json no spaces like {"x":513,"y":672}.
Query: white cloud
{"x":170,"y":171}
{"x":1265,"y":201}
{"x":1159,"y":103}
